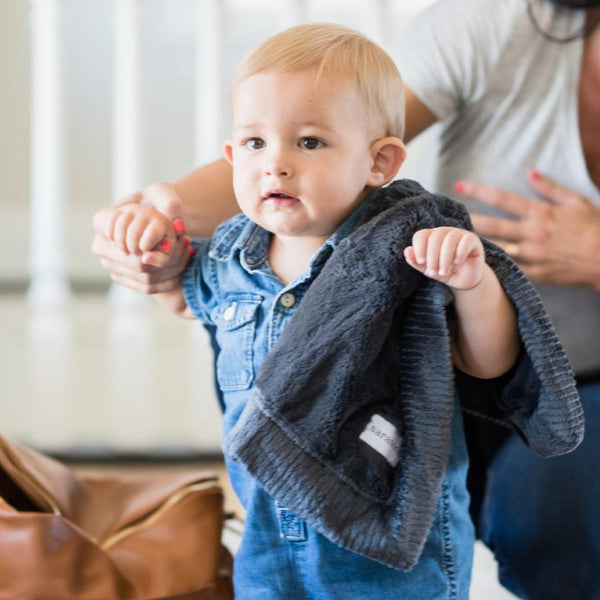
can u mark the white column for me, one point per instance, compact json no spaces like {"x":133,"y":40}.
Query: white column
{"x":126,"y":147}
{"x":126,"y":100}
{"x":130,"y":331}
{"x":211,"y":81}
{"x":49,"y":286}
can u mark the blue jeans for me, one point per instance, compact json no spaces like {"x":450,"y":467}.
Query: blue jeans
{"x":287,"y":559}
{"x":541,"y":517}
{"x":281,"y":557}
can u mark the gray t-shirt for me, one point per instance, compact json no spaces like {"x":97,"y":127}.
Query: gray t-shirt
{"x":507,"y":102}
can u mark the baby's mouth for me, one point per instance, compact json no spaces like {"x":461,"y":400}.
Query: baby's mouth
{"x":280,"y":199}
{"x":281,"y":195}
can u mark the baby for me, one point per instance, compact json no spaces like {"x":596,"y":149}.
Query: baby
{"x":317,"y":123}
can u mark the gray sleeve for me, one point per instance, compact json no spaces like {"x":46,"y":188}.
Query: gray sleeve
{"x":446,"y":54}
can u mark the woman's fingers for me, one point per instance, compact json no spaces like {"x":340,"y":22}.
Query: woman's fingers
{"x":165,"y":199}
{"x":503,"y":200}
{"x":554,"y":192}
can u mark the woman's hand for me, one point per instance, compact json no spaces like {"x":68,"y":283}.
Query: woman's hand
{"x":555,"y":241}
{"x":150,"y":272}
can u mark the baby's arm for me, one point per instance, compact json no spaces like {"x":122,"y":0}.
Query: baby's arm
{"x":174,"y":301}
{"x":486,"y":340}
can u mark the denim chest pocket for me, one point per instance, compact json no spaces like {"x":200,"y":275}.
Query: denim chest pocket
{"x":236,"y":329}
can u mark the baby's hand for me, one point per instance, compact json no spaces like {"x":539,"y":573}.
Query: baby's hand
{"x":136,"y":228}
{"x":448,"y":254}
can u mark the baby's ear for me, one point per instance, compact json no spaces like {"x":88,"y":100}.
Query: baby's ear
{"x":228,"y":151}
{"x":388,"y":154}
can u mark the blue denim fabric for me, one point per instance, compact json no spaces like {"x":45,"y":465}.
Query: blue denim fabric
{"x":280,"y":556}
{"x":541,"y":517}
{"x":230,"y":284}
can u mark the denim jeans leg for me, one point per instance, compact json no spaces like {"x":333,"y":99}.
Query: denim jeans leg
{"x":265,"y":565}
{"x":541,"y":517}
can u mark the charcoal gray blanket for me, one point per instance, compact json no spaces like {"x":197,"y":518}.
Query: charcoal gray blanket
{"x":349,"y":422}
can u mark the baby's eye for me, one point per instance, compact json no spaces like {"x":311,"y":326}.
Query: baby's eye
{"x":254,"y":143}
{"x":310,"y":143}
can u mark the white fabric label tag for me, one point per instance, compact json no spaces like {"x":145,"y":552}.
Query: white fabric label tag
{"x":383,"y":437}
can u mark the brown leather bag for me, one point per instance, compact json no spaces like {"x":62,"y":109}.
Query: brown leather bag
{"x":66,"y":537}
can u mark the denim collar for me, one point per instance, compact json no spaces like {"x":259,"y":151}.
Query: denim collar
{"x":242,"y":239}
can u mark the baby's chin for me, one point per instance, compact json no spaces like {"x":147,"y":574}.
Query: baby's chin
{"x":281,"y":203}
{"x":301,"y":236}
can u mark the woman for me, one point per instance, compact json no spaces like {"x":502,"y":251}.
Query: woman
{"x":514,"y":87}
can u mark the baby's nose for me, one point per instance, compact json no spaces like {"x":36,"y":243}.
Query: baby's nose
{"x":278,"y":165}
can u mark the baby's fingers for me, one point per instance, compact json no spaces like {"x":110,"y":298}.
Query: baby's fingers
{"x":440,"y":244}
{"x":411,"y":259}
{"x":469,"y":244}
{"x":448,"y":250}
{"x":426,"y":245}
{"x":121,"y":223}
{"x":155,"y":237}
{"x":419,"y":247}
{"x":436,"y":251}
{"x":136,"y":230}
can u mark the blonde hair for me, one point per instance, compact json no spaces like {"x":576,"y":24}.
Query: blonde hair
{"x":339,"y":51}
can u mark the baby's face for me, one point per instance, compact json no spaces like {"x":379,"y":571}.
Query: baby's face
{"x":301,"y":151}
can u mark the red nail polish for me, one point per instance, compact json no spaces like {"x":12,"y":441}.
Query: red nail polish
{"x":165,"y":246}
{"x":191,"y":251}
{"x":179,"y":226}
{"x":534,"y":174}
{"x":459,"y":186}
{"x":186,"y":242}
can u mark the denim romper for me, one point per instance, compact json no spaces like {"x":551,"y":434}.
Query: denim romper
{"x":230,"y":284}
